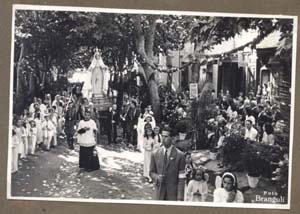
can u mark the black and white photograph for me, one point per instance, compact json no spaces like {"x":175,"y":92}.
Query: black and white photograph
{"x":151,"y":107}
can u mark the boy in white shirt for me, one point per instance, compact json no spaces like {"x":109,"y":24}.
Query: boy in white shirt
{"x":250,"y":132}
{"x":48,"y":131}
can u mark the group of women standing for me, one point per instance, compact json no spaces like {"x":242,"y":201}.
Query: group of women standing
{"x":149,"y":138}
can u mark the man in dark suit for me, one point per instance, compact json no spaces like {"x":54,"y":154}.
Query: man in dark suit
{"x":112,"y":124}
{"x":132,"y":120}
{"x":70,"y":122}
{"x":167,"y":170}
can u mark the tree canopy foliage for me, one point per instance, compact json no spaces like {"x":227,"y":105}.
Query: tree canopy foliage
{"x":66,"y":39}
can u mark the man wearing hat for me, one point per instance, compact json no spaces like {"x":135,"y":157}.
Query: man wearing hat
{"x":167,"y":169}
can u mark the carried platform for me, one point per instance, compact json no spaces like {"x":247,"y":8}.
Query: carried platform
{"x":102,"y":103}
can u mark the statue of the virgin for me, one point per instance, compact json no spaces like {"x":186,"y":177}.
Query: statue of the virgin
{"x":100,"y":75}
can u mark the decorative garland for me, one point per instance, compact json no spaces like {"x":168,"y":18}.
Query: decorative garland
{"x":171,"y":70}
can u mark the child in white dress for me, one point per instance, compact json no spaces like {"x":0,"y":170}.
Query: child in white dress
{"x":53,"y":118}
{"x":18,"y":131}
{"x":14,"y":151}
{"x":228,"y":191}
{"x":24,"y":131}
{"x":32,"y":137}
{"x":197,"y":188}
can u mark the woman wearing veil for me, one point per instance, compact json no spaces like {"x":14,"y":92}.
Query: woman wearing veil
{"x":100,"y":75}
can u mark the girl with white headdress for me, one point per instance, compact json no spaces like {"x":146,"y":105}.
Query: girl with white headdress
{"x":142,"y":121}
{"x":18,"y":131}
{"x":228,"y":191}
{"x":100,"y":75}
{"x":24,"y":131}
{"x":148,"y":118}
{"x":148,"y":143}
{"x":32,"y":137}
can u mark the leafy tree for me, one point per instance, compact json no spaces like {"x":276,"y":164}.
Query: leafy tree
{"x":66,"y":40}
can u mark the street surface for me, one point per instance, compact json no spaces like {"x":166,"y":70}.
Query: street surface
{"x":55,"y":174}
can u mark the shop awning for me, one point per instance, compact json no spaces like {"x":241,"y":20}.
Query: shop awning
{"x":245,"y":38}
{"x":271,"y":41}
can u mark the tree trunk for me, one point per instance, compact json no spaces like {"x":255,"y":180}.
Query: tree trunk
{"x":144,"y":43}
{"x":120,"y":95}
{"x":155,"y":101}
{"x":18,"y":85}
{"x":31,"y":85}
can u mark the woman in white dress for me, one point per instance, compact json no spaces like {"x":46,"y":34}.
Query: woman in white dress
{"x":140,"y":133}
{"x":60,"y":118}
{"x":228,"y":191}
{"x":142,"y":121}
{"x":38,"y":123}
{"x":53,"y":118}
{"x":148,"y":148}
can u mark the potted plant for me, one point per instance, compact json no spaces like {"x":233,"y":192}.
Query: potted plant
{"x":256,"y":160}
{"x":233,"y":144}
{"x":281,"y":175}
{"x":182,"y":127}
{"x":213,"y":153}
{"x":251,"y":161}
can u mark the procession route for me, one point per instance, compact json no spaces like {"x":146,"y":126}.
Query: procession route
{"x":54,"y":174}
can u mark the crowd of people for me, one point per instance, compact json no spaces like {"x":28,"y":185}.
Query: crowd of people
{"x":38,"y":127}
{"x":256,"y":118}
{"x":170,"y":169}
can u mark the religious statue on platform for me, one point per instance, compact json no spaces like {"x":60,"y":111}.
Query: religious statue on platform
{"x":100,"y":75}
